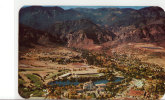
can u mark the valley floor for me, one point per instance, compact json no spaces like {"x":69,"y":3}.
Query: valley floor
{"x":129,"y":73}
{"x":147,"y":52}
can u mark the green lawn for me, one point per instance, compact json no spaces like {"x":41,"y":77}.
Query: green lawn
{"x":52,"y":75}
{"x":37,"y":93}
{"x":35,"y":80}
{"x":21,"y":81}
{"x":36,"y":90}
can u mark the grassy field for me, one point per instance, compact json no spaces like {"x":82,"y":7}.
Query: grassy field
{"x":35,"y":80}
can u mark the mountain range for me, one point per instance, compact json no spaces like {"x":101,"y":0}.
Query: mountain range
{"x":78,"y":27}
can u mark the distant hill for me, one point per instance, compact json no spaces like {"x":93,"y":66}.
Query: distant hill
{"x":43,"y":17}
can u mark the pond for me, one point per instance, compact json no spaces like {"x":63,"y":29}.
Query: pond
{"x":64,"y":83}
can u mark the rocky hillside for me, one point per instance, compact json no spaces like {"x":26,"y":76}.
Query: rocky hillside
{"x":80,"y":30}
{"x":68,"y":33}
{"x":29,"y":36}
{"x":86,"y":26}
{"x":154,"y":32}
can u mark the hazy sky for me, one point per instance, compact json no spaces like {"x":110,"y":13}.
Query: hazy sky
{"x":95,"y":7}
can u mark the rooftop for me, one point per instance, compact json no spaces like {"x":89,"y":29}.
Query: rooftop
{"x":102,"y":84}
{"x":135,"y":93}
{"x":64,"y":75}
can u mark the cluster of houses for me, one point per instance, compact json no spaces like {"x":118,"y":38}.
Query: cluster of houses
{"x":89,"y":88}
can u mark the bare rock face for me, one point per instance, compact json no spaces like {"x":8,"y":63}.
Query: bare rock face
{"x":157,"y":32}
{"x":79,"y":41}
{"x":80,"y":32}
{"x":148,"y":33}
{"x":151,"y":32}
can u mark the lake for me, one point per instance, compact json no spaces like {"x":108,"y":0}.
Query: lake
{"x":64,"y":83}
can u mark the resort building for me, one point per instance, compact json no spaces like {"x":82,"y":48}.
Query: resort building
{"x":65,"y":75}
{"x":102,"y":85}
{"x":136,"y":93}
{"x":88,"y":85}
{"x":138,"y":83}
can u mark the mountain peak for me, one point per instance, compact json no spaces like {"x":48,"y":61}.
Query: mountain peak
{"x":34,"y":8}
{"x":154,"y":8}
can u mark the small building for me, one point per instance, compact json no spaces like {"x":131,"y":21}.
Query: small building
{"x":138,"y":83}
{"x":88,"y":85}
{"x":102,"y":85}
{"x":66,"y":94}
